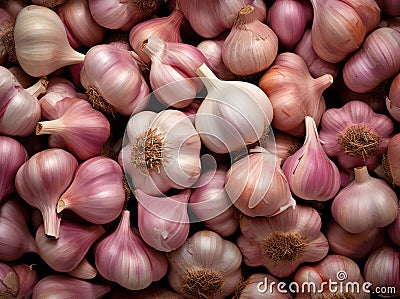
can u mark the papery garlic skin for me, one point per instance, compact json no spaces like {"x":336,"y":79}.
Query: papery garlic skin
{"x":394,"y":229}
{"x":294,"y":93}
{"x":27,"y":279}
{"x":172,"y":67}
{"x":42,"y":179}
{"x":251,"y":46}
{"x":7,"y":48}
{"x":353,"y":245}
{"x":309,"y":171}
{"x":211,"y":204}
{"x":257,"y":186}
{"x":205,"y":266}
{"x":282,"y":242}
{"x":111,"y":76}
{"x":83,"y":271}
{"x":12,"y":156}
{"x":337,"y":269}
{"x":376,"y":61}
{"x":263,"y":286}
{"x":233,"y":115}
{"x":163,"y":222}
{"x":97,"y":192}
{"x":391,"y":7}
{"x":15,"y":237}
{"x":355,"y":135}
{"x":368,"y":10}
{"x":393,"y":99}
{"x":337,"y":30}
{"x":8,"y":281}
{"x":288,"y":20}
{"x":161,"y":151}
{"x":136,"y":265}
{"x":382,"y":269}
{"x":59,"y":286}
{"x":364,"y":204}
{"x":83,"y":129}
{"x":42,"y":46}
{"x":393,"y":159}
{"x":67,"y":252}
{"x":165,"y":28}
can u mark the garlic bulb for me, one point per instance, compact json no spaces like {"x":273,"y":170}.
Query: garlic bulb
{"x":394,"y":229}
{"x":262,"y":286}
{"x":42,"y":179}
{"x":288,"y":19}
{"x":233,"y":114}
{"x":172,"y":67}
{"x":82,"y":129}
{"x":284,"y":145}
{"x":12,"y":156}
{"x":337,"y":30}
{"x":353,"y":245}
{"x":113,"y":81}
{"x":8,"y":282}
{"x":342,"y":273}
{"x":368,"y":10}
{"x":393,"y":159}
{"x":257,"y":186}
{"x":376,"y":61}
{"x":316,"y":66}
{"x":364,"y":204}
{"x":355,"y":135}
{"x":163,"y":222}
{"x":59,"y":286}
{"x":48,"y":3}
{"x":211,"y":204}
{"x":67,"y":252}
{"x":97,"y":192}
{"x":84,"y":270}
{"x":41,"y":42}
{"x":205,"y":266}
{"x":161,"y":151}
{"x":136,"y":265}
{"x":294,"y":93}
{"x":391,"y":7}
{"x":165,"y":28}
{"x":27,"y":279}
{"x":15,"y":237}
{"x":251,"y":46}
{"x":282,"y":242}
{"x":309,"y":171}
{"x":393,"y":99}
{"x":210,"y":23}
{"x":19,"y":108}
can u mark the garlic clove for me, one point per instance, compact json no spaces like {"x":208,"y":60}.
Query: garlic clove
{"x":27,"y":279}
{"x":42,"y":46}
{"x":59,"y":286}
{"x":260,"y":286}
{"x":84,"y":270}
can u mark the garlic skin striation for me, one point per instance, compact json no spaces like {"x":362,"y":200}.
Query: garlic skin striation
{"x":101,"y":66}
{"x":253,"y":290}
{"x":294,"y":93}
{"x":161,"y":151}
{"x":375,"y":62}
{"x":19,"y":107}
{"x":233,"y":115}
{"x":41,"y":42}
{"x":355,"y":135}
{"x":337,"y":30}
{"x":251,"y":46}
{"x":42,"y":179}
{"x":393,"y":98}
{"x":364,"y":204}
{"x":205,"y":266}
{"x":97,"y":191}
{"x":163,"y":222}
{"x":60,"y":286}
{"x":309,"y":171}
{"x":257,"y":186}
{"x":173,"y":65}
{"x":394,"y":229}
{"x":393,"y":158}
{"x":136,"y":265}
{"x":282,"y":242}
{"x":12,"y":156}
{"x":27,"y":279}
{"x":340,"y":270}
{"x":82,"y":129}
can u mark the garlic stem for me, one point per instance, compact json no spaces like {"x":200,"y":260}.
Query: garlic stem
{"x":323,"y":82}
{"x":49,"y":127}
{"x":38,"y":88}
{"x":207,"y":76}
{"x":311,"y":131}
{"x":361,"y":174}
{"x":51,"y":222}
